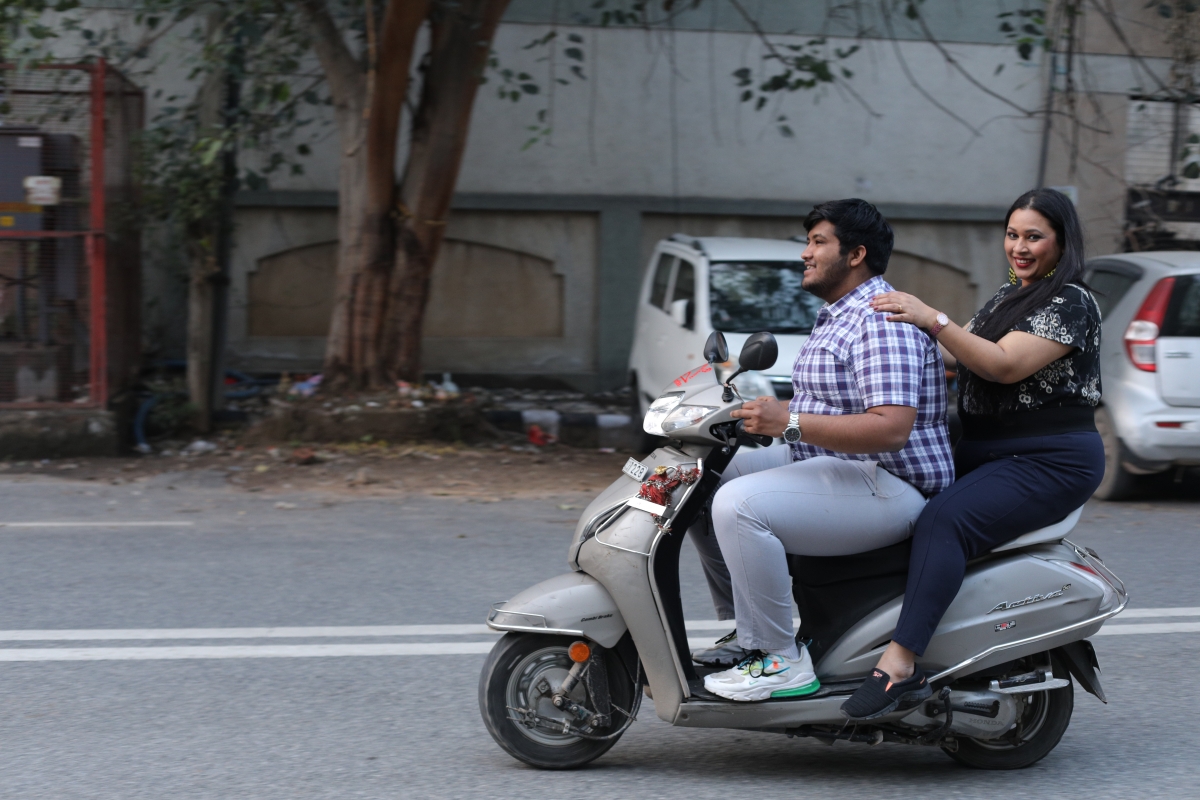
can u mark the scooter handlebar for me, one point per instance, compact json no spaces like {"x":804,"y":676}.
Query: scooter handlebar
{"x":762,"y":440}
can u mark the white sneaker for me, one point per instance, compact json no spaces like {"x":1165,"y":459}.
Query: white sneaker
{"x":762,"y":675}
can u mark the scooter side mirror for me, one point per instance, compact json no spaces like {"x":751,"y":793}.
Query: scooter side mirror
{"x":759,"y":352}
{"x":716,"y":349}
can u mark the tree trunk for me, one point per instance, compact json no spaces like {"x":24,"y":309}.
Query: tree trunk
{"x":461,"y":40}
{"x":201,"y":296}
{"x":368,"y":108}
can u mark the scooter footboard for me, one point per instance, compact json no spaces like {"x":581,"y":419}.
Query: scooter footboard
{"x":573,"y":604}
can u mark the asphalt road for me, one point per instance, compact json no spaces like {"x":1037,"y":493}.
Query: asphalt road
{"x":185,"y":552}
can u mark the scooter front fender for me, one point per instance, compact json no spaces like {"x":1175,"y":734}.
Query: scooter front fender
{"x":574,"y":604}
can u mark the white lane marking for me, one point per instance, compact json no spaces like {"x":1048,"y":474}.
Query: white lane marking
{"x":1133,"y":613}
{"x":174,"y":653}
{"x":242,"y":651}
{"x":365,"y":631}
{"x":143,"y":634}
{"x":324,"y":632}
{"x":113,"y":524}
{"x":1150,"y":627}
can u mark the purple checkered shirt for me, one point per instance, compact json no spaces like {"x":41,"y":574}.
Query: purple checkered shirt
{"x":854,"y":360}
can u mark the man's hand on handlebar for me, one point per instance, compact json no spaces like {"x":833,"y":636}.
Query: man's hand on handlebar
{"x":763,"y":415}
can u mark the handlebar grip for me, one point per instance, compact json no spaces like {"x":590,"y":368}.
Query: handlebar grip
{"x":760,"y":439}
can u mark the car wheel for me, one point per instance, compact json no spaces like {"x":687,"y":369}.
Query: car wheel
{"x":1118,"y":482}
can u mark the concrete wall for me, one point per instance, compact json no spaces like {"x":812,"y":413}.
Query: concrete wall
{"x":660,"y":115}
{"x":513,"y":292}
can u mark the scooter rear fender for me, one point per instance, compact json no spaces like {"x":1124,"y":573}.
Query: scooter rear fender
{"x":1020,"y":603}
{"x":574,"y":604}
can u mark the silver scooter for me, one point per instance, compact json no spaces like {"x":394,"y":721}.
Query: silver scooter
{"x":566,"y":680}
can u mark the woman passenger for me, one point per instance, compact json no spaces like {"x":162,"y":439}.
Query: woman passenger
{"x":1029,"y":382}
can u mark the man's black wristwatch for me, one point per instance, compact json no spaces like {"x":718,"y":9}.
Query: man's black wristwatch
{"x":791,"y":434}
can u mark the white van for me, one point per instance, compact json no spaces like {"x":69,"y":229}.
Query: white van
{"x":695,"y":285}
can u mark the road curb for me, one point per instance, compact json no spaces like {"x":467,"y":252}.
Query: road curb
{"x":570,"y":428}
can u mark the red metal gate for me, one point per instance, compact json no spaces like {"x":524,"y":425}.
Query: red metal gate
{"x":69,"y":323}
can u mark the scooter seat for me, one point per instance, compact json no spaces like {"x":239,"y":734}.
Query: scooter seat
{"x":1050,"y":533}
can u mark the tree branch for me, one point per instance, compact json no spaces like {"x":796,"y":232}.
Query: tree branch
{"x":782,"y":57}
{"x":341,"y":68}
{"x":887,"y":21}
{"x":1109,"y":17}
{"x":929,"y":37}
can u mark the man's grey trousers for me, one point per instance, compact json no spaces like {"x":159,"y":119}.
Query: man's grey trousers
{"x":768,"y":506}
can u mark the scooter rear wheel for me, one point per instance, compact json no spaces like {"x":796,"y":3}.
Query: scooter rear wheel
{"x":1044,"y":720}
{"x":522,"y":672}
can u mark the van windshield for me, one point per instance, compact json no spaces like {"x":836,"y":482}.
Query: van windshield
{"x":753,"y":296}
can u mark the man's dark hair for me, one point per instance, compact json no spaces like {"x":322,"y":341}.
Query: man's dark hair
{"x":856,"y":222}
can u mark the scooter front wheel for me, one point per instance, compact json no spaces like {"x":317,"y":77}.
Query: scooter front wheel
{"x":516,"y":687}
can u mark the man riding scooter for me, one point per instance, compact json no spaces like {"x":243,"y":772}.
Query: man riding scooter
{"x":866,"y":444}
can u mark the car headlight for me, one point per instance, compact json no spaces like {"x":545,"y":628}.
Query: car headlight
{"x":686,"y":416}
{"x":658,"y":412}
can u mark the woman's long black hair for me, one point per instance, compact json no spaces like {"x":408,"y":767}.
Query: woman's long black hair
{"x":1057,"y":208}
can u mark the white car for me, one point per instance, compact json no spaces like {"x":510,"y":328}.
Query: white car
{"x":695,"y":285}
{"x":1149,"y":416}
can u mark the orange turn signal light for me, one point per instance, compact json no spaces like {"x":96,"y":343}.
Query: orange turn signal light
{"x":579,"y":652}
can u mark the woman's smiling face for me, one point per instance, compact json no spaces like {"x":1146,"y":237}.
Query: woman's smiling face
{"x":1031,"y":245}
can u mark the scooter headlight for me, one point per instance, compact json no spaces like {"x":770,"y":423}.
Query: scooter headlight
{"x":686,"y":416}
{"x":658,"y":412}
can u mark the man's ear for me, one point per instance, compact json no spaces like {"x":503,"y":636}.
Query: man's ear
{"x":858,"y":256}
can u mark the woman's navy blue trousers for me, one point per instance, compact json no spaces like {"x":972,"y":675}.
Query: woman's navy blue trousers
{"x":1005,"y":488}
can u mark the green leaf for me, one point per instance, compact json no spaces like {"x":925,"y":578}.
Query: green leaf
{"x":530,"y":88}
{"x":999,"y":69}
{"x":211,"y":152}
{"x":1192,"y":171}
{"x":575,"y":37}
{"x":573,"y":52}
{"x":1025,"y":49}
{"x":787,"y":132}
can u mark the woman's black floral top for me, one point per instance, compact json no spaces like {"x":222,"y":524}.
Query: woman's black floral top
{"x":1072,"y":318}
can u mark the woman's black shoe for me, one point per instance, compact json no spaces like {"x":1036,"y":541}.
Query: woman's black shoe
{"x":879,"y":696}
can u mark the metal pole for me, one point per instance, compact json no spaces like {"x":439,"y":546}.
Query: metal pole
{"x":22,"y":275}
{"x":96,"y":250}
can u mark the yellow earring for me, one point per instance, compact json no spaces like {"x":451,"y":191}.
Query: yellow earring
{"x":1012,"y":276}
{"x":1050,"y":274}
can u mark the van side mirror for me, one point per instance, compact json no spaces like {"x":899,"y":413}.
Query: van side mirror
{"x":759,"y":352}
{"x":716,"y":349}
{"x":681,"y":313}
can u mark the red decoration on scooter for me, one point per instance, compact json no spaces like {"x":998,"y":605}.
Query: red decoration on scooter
{"x":659,"y":484}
